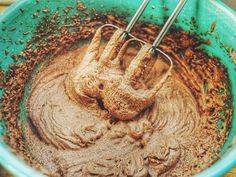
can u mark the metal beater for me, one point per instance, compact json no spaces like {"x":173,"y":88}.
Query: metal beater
{"x":154,"y":47}
{"x":104,"y":75}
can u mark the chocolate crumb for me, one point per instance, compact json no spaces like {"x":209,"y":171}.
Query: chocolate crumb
{"x":6,"y":52}
{"x":4,"y":29}
{"x":21,"y":10}
{"x":35,"y":15}
{"x":80,"y":6}
{"x":46,"y":11}
{"x":14,"y":57}
{"x":12,"y":29}
{"x":213,"y":25}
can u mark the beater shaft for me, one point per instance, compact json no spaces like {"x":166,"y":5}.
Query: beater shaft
{"x":169,"y":22}
{"x":137,"y":15}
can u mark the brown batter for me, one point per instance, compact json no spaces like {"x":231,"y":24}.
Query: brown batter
{"x":104,"y":123}
{"x":150,"y":143}
{"x":93,"y":114}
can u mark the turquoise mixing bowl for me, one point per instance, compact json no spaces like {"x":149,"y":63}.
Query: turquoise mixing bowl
{"x":197,"y":16}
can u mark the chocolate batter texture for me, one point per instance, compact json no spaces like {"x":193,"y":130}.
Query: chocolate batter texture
{"x":93,"y":111}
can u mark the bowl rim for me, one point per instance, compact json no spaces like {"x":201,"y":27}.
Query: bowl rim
{"x":18,"y":168}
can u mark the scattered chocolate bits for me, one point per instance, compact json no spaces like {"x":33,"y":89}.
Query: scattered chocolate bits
{"x":46,"y":11}
{"x":213,"y":25}
{"x":2,"y":82}
{"x":80,"y":6}
{"x":12,"y":29}
{"x":6,"y":52}
{"x":14,"y":57}
{"x":21,"y":41}
{"x":166,"y":8}
{"x":21,"y":10}
{"x":207,"y":42}
{"x":50,"y":39}
{"x":4,"y":29}
{"x":66,"y":11}
{"x":35,"y":15}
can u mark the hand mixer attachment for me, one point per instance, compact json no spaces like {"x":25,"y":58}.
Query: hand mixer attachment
{"x":115,"y":89}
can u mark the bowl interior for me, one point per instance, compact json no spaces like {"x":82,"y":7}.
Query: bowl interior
{"x":198,"y":16}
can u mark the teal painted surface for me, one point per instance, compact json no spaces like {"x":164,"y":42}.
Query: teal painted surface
{"x":205,"y":12}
